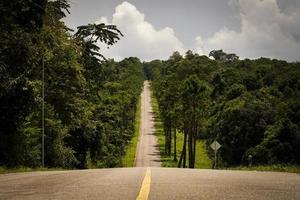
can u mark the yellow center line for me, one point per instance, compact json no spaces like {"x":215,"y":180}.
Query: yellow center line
{"x":145,"y":189}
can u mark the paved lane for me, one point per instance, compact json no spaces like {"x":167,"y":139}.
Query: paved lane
{"x":122,"y":183}
{"x":147,"y":154}
{"x":165,"y":183}
{"x":223,"y":184}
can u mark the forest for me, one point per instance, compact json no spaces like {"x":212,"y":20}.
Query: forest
{"x":251,"y":107}
{"x":88,"y":107}
{"x":57,"y":89}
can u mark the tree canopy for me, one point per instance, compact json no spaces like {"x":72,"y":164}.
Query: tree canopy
{"x":250,"y":106}
{"x":89,"y":102}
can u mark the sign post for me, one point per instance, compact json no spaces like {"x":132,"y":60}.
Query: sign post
{"x":215,"y":146}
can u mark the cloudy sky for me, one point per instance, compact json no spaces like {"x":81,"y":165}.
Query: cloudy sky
{"x":155,"y":29}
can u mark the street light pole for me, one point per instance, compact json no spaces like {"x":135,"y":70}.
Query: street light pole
{"x":43,"y":112}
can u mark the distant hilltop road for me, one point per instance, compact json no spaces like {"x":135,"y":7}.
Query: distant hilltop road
{"x":150,"y":183}
{"x":147,"y":152}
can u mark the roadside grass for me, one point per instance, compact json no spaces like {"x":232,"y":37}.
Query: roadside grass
{"x":4,"y":170}
{"x":202,"y":159}
{"x":273,"y":168}
{"x":129,"y":157}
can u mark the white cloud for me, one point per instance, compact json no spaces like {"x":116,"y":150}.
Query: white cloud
{"x":141,"y":38}
{"x":199,"y":45}
{"x":265,"y":31}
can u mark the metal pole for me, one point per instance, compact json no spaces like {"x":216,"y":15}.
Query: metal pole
{"x":215,"y":154}
{"x":215,"y":159}
{"x":43,"y":113}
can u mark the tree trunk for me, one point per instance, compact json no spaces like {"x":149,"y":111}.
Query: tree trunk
{"x":183,"y":152}
{"x":180,"y":159}
{"x":169,"y":140}
{"x":194,"y":146}
{"x":166,"y":139}
{"x":190,"y":147}
{"x":175,"y":153}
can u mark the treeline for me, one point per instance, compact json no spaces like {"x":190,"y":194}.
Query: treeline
{"x":89,"y":102}
{"x":251,"y":107}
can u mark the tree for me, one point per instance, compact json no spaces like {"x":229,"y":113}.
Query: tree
{"x":88,"y":35}
{"x":220,"y":55}
{"x":89,"y":102}
{"x":194,"y":93}
{"x":252,"y":109}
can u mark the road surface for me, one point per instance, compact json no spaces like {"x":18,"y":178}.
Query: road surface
{"x":161,"y":183}
{"x":147,"y":153}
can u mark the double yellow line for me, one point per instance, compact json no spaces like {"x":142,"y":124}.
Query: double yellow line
{"x":145,"y":189}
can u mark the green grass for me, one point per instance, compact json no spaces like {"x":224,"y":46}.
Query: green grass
{"x":202,"y":159}
{"x":4,"y":170}
{"x":274,"y":168}
{"x":129,"y":157}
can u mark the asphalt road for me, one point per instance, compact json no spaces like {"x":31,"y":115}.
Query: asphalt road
{"x":147,"y":153}
{"x":163,"y":183}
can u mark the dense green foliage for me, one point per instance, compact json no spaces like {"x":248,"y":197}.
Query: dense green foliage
{"x":252,"y":107}
{"x":90,"y":103}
